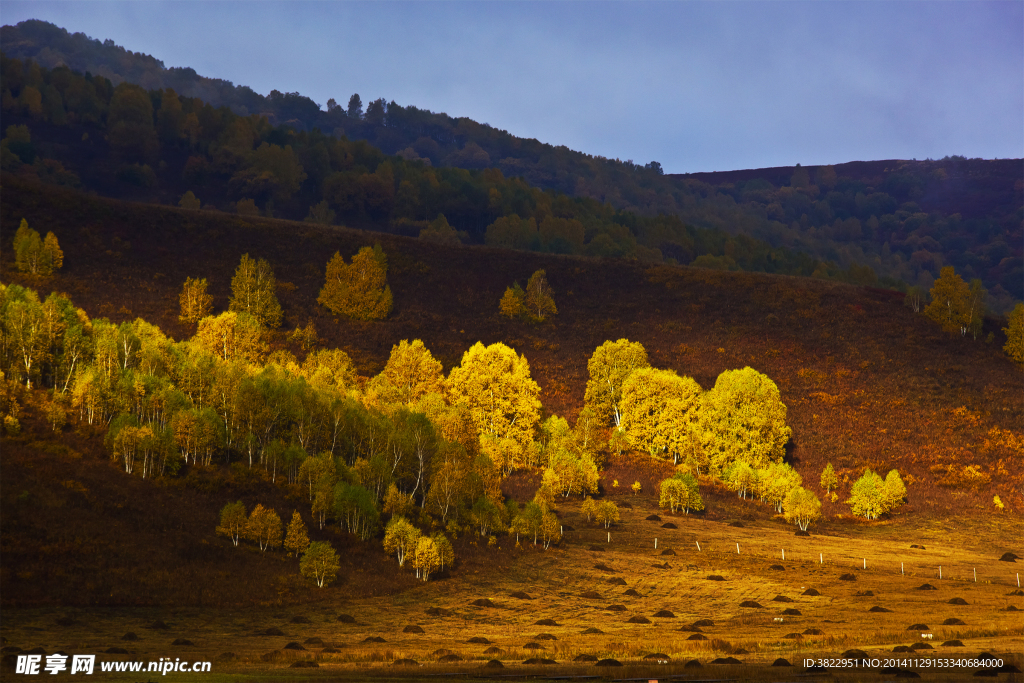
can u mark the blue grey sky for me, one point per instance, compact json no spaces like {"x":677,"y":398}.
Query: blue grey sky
{"x":697,"y":86}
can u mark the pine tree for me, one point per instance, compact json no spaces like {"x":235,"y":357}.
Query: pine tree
{"x":297,"y":539}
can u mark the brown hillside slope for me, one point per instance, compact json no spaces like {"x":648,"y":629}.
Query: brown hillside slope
{"x":867,"y":382}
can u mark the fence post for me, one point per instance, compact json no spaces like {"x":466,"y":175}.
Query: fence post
{"x":737,"y":548}
{"x":609,"y":537}
{"x":821,"y":558}
{"x":698,"y":546}
{"x":655,"y":544}
{"x":783,"y":554}
{"x":940,"y":571}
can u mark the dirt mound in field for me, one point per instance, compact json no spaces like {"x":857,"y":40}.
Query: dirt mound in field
{"x":777,"y":568}
{"x":792,"y":612}
{"x":715,"y":577}
{"x":652,"y":518}
{"x":494,"y":664}
{"x":450,"y":658}
{"x":697,"y":636}
{"x":957,"y":601}
{"x":633,"y":593}
{"x":405,"y":662}
{"x":662,"y":566}
{"x":668,"y":551}
{"x":952,"y":643}
{"x":689,"y":629}
{"x":545,"y":622}
{"x":520,"y":595}
{"x":801,"y":532}
{"x":609,"y":662}
{"x":129,"y":636}
{"x":1011,"y":608}
{"x":953,"y":621}
{"x":441,"y":652}
{"x":738,"y":525}
{"x":434,"y":612}
{"x":533,"y":646}
{"x":483,"y":602}
{"x":293,"y":646}
{"x":703,"y":622}
{"x":1009,"y":557}
{"x":545,"y":636}
{"x":585,"y":658}
{"x":781,"y":598}
{"x":617,"y":581}
{"x":915,"y":545}
{"x":847,"y":577}
{"x":926,"y":587}
{"x":227,"y":657}
{"x":313,"y":641}
{"x":726,"y":660}
{"x":665,"y":614}
{"x":299,"y":619}
{"x":538,"y":660}
{"x":1016,"y":592}
{"x":159,"y":625}
{"x":616,"y":608}
{"x":751,"y":604}
{"x":659,"y":657}
{"x":901,"y":648}
{"x":478,"y":640}
{"x":596,"y":548}
{"x":810,"y":591}
{"x":374,"y":639}
{"x":638,"y":620}
{"x":781,"y":662}
{"x":793,"y":636}
{"x":814,"y":632}
{"x":349,"y":619}
{"x":855,"y":654}
{"x":185,"y":641}
{"x":877,"y":608}
{"x":412,"y":628}
{"x":305,"y":664}
{"x":669,"y":525}
{"x":494,"y":650}
{"x":921,"y":646}
{"x":604,"y":568}
{"x":693,"y":664}
{"x":625,"y":505}
{"x":330,"y":651}
{"x":918,"y":627}
{"x":865,"y":594}
{"x":591,"y":595}
{"x":593,"y":632}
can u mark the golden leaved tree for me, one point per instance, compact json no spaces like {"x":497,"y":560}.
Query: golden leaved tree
{"x":196,"y":304}
{"x":358,"y":290}
{"x":743,"y":419}
{"x":253,"y":291}
{"x":502,"y":400}
{"x":1014,"y":330}
{"x":411,"y":373}
{"x":609,"y":366}
{"x":659,"y":411}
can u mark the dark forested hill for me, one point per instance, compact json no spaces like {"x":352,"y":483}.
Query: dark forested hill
{"x":890,"y":221}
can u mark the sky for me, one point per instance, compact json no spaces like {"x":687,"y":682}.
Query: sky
{"x":697,"y":86}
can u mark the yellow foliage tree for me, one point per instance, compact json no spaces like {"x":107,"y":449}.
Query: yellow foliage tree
{"x":320,"y":564}
{"x":297,"y":539}
{"x":231,"y":336}
{"x":401,"y":538}
{"x":34,"y":255}
{"x":801,"y":507}
{"x":410,"y":373}
{"x":358,"y":290}
{"x":253,"y":291}
{"x":511,"y":304}
{"x":427,"y":560}
{"x":659,"y":411}
{"x":196,"y":304}
{"x":264,"y":527}
{"x":502,"y":400}
{"x":1014,"y":330}
{"x":232,"y":521}
{"x":743,"y":418}
{"x":609,"y":366}
{"x":829,"y":480}
{"x":950,"y":305}
{"x":540,"y":300}
{"x":329,"y":368}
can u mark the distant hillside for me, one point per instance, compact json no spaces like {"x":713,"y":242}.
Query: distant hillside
{"x":904,"y":220}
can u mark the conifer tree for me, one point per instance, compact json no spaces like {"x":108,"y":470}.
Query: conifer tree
{"x":297,"y":539}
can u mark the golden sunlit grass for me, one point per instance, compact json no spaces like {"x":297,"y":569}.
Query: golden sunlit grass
{"x":556,"y":580}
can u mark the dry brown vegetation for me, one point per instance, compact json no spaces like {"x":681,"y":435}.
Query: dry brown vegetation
{"x":867,"y":383}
